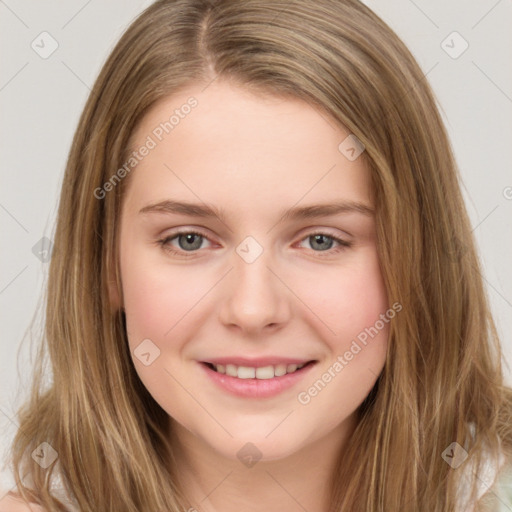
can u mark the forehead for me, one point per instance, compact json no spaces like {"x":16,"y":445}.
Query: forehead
{"x":235,"y":148}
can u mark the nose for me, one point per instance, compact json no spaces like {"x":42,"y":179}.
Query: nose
{"x":254,"y":299}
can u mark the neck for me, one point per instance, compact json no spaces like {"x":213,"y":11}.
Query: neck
{"x":298,"y":482}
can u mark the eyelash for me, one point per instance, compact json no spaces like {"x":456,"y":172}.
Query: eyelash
{"x":164,"y":243}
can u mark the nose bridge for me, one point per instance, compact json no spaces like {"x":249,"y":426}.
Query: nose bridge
{"x":254,"y":297}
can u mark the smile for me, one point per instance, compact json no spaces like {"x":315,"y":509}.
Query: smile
{"x":256,"y":381}
{"x":263,"y":372}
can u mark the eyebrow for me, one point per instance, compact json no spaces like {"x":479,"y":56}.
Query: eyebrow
{"x":294,"y":213}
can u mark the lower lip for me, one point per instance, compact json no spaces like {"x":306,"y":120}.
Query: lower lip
{"x":256,"y":388}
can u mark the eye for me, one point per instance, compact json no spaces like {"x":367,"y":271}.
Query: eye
{"x":188,"y":241}
{"x":191,"y":241}
{"x":323,"y":242}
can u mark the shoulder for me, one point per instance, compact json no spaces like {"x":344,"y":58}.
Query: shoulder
{"x":14,"y":503}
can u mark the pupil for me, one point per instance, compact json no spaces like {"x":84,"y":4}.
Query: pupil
{"x":321,"y":238}
{"x":190,"y":241}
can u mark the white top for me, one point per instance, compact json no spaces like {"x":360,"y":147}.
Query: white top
{"x":58,"y":490}
{"x":485,"y":481}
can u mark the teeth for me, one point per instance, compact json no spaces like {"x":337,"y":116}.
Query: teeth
{"x":280,"y":370}
{"x":244,"y":372}
{"x":263,"y":372}
{"x":231,"y":370}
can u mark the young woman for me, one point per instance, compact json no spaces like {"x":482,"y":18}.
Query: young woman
{"x":264,"y":292}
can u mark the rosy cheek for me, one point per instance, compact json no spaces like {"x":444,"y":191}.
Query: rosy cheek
{"x":158,"y":297}
{"x":352,"y":302}
{"x":142,"y":300}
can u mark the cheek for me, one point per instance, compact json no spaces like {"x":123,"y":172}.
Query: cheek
{"x":348,"y":300}
{"x":352,"y":304}
{"x":156,"y":300}
{"x":154,"y":295}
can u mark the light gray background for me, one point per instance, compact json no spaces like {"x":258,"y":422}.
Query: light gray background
{"x":41,"y":100}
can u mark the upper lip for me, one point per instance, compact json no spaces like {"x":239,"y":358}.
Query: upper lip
{"x":256,"y":362}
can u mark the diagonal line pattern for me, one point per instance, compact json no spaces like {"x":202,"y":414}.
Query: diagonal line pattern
{"x":198,"y":402}
{"x":14,"y":14}
{"x":14,"y":76}
{"x":485,"y":218}
{"x":296,"y":203}
{"x":220,"y":220}
{"x":14,"y":488}
{"x":493,"y":287}
{"x":13,"y":279}
{"x":490,"y":490}
{"x":217,"y":486}
{"x":304,"y":195}
{"x":76,"y":14}
{"x":486,"y":14}
{"x":76,"y":75}
{"x":301,"y":301}
{"x":492,"y":81}
{"x":280,"y":423}
{"x":13,"y":421}
{"x":210,"y":83}
{"x":286,"y":491}
{"x":202,"y":297}
{"x":424,"y":13}
{"x":85,"y":84}
{"x":14,"y":218}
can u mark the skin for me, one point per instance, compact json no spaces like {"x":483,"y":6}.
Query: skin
{"x":255,"y":157}
{"x":12,"y":503}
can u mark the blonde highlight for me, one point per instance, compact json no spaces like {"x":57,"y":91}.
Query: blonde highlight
{"x":443,"y":379}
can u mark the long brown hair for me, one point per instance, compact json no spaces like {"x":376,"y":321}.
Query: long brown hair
{"x":442,"y":382}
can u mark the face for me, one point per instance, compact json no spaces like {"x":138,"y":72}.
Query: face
{"x":230,"y":277}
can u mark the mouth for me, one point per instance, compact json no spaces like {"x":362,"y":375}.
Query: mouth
{"x":269,"y":371}
{"x":262,"y":379}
